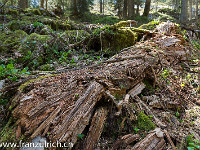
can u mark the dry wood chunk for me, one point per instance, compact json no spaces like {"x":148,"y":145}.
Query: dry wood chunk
{"x":96,"y":128}
{"x":154,"y":140}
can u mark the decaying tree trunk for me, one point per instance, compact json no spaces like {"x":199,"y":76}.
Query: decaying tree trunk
{"x":61,"y":106}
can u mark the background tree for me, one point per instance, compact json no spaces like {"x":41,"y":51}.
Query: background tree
{"x":131,"y":9}
{"x":125,"y":9}
{"x":74,"y":9}
{"x":184,"y":12}
{"x":147,"y":8}
{"x":190,"y":10}
{"x":196,"y":1}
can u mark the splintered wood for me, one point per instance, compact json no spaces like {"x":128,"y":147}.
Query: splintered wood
{"x":154,"y":140}
{"x":61,"y":106}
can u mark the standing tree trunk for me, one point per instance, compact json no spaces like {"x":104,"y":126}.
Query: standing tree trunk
{"x":197,"y":9}
{"x":46,"y":4}
{"x":119,"y":7}
{"x":42,"y":3}
{"x":74,"y":11}
{"x":147,"y":8}
{"x":23,"y":4}
{"x":138,"y":8}
{"x":184,"y":12}
{"x":190,"y":10}
{"x":103,"y":6}
{"x":100,"y":2}
{"x":131,"y":9}
{"x":125,"y":9}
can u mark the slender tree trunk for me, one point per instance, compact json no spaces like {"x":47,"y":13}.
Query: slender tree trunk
{"x":147,"y":8}
{"x":103,"y":6}
{"x":23,"y":4}
{"x":184,"y":12}
{"x":120,"y":9}
{"x":125,"y":9}
{"x":100,"y":2}
{"x":197,"y":9}
{"x":42,"y":3}
{"x":138,"y":8}
{"x":74,"y":11}
{"x":131,"y":9}
{"x":46,"y":4}
{"x":190,"y":10}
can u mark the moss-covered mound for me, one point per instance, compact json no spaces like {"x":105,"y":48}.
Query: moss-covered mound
{"x":11,"y":40}
{"x":111,"y":41}
{"x":149,"y":26}
{"x":73,"y":36}
{"x":162,"y":17}
{"x":144,"y":122}
{"x":17,"y":24}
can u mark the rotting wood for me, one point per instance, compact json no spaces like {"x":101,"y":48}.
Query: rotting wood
{"x":125,"y":140}
{"x":46,"y":122}
{"x":81,"y":89}
{"x":137,"y":89}
{"x":79,"y":116}
{"x":96,"y":128}
{"x":151,"y":141}
{"x":149,"y":112}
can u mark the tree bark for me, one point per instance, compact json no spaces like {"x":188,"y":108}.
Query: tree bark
{"x":23,"y":4}
{"x":100,"y":2}
{"x":119,"y":7}
{"x":125,"y":9}
{"x":46,"y":4}
{"x":147,"y":8}
{"x":190,"y":9}
{"x":138,"y":8}
{"x":74,"y":11}
{"x":197,"y":9}
{"x":131,"y":9}
{"x":184,"y":12}
{"x":42,"y":3}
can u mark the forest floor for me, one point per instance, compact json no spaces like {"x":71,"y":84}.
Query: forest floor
{"x":99,"y":86}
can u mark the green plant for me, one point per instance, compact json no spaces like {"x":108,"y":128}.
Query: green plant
{"x":191,"y":143}
{"x":136,"y":129}
{"x":37,"y":24}
{"x":80,"y":136}
{"x":9,"y":71}
{"x":3,"y":101}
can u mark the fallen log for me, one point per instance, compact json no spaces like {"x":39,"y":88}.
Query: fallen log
{"x":60,"y":107}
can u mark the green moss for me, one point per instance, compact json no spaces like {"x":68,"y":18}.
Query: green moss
{"x":47,"y":67}
{"x":37,"y":37}
{"x":36,"y":12}
{"x":112,"y":44}
{"x":16,"y":24}
{"x":12,"y":40}
{"x":144,"y":122}
{"x":8,"y":133}
{"x":149,"y":26}
{"x":73,"y":36}
{"x":21,"y":88}
{"x":12,"y":12}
